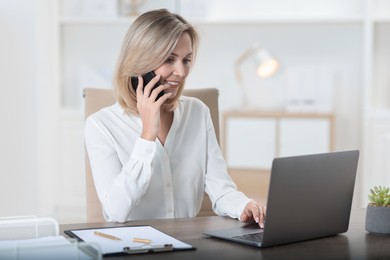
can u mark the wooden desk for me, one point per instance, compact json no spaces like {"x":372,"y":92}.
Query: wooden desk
{"x":355,"y":244}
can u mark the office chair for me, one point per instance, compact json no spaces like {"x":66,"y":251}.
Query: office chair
{"x":96,"y":99}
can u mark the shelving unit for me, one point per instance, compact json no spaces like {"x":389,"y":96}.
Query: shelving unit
{"x":64,"y":21}
{"x":350,"y":37}
{"x":376,"y":101}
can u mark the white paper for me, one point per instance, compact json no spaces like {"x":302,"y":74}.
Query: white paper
{"x":127,"y":234}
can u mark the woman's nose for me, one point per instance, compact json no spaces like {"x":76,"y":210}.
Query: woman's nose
{"x":179,"y":70}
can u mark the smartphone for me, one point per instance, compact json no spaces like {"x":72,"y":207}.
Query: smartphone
{"x":147,"y":78}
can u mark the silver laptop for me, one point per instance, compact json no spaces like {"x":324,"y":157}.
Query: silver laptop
{"x":309,"y":197}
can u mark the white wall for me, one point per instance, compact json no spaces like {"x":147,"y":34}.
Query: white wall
{"x":18,"y":107}
{"x":29,"y":171}
{"x":331,"y":48}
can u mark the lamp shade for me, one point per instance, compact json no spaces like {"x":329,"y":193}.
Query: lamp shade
{"x":265,"y":66}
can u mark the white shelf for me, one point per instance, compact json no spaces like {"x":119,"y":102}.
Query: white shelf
{"x":384,"y":19}
{"x":276,"y":20}
{"x":219,"y":21}
{"x":378,"y":114}
{"x":95,"y":21}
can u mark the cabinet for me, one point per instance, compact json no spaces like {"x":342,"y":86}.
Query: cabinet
{"x":347,"y":39}
{"x":252,"y":139}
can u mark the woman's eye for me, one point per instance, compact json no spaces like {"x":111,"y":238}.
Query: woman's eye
{"x":186,"y":61}
{"x":170,"y":60}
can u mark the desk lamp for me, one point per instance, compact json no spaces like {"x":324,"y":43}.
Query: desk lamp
{"x":266,"y":66}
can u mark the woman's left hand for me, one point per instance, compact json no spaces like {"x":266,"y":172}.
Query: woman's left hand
{"x":254,"y":211}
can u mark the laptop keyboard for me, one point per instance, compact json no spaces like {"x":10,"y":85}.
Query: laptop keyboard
{"x":255,"y":237}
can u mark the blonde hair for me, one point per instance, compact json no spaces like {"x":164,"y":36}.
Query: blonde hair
{"x":149,"y":41}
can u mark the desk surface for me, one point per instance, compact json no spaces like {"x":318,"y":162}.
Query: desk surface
{"x":354,"y":244}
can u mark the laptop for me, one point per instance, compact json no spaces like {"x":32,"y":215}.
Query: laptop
{"x":309,"y":197}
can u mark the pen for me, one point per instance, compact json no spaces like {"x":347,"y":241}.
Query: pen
{"x":142,"y":240}
{"x":100,"y":234}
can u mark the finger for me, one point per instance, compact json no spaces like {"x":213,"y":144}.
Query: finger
{"x":244,"y":215}
{"x":139,"y":86}
{"x":247,"y":213}
{"x":245,"y":218}
{"x":149,"y":87}
{"x":157,"y":91}
{"x":261,"y":217}
{"x":262,"y":211}
{"x":256,"y":214}
{"x":163,"y":98}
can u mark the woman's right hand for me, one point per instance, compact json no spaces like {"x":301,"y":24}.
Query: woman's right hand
{"x":149,"y":108}
{"x":254,"y":211}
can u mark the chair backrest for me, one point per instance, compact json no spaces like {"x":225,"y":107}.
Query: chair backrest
{"x":96,"y":99}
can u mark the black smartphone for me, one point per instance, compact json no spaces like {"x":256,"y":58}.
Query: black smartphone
{"x":147,"y":78}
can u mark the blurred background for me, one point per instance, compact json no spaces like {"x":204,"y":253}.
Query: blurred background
{"x":327,"y":88}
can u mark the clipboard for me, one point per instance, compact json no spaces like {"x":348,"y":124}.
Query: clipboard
{"x":129,"y":240}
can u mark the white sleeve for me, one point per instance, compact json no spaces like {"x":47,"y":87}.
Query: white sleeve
{"x":223,"y":193}
{"x":119,"y":187}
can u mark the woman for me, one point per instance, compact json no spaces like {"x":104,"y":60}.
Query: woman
{"x":154,"y":157}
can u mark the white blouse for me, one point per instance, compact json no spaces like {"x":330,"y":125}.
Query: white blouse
{"x":140,"y":179}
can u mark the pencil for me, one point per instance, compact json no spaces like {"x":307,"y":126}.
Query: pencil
{"x":100,"y":234}
{"x":142,"y":240}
